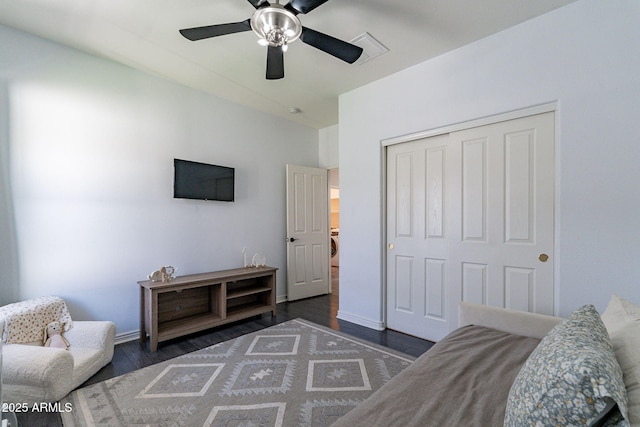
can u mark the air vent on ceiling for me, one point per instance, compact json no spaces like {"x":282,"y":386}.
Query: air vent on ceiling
{"x":371,"y":47}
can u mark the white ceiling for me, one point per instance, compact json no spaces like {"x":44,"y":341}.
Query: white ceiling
{"x":144,"y":34}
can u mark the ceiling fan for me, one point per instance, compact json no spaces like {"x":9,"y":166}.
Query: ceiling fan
{"x":277,"y":26}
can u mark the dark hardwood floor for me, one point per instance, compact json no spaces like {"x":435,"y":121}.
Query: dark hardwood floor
{"x":322,"y":310}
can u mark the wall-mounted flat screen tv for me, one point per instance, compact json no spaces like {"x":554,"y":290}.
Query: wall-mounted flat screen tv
{"x":202,"y":181}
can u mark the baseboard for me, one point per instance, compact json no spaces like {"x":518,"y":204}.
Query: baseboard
{"x":281,"y":299}
{"x":127,"y":336}
{"x":368,"y":323}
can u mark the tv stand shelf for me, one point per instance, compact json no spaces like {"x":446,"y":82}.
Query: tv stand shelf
{"x":196,"y":302}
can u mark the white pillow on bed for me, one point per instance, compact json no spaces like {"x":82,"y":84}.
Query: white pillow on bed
{"x":619,"y":312}
{"x":622,"y":320}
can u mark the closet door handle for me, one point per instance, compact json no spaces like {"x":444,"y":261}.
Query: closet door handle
{"x":292,"y":239}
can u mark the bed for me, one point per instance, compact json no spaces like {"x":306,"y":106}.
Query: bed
{"x":505,"y":367}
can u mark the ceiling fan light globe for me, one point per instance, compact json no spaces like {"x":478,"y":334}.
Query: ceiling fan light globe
{"x":276,"y":37}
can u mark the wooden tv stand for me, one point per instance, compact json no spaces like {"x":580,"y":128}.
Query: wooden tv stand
{"x":196,"y":302}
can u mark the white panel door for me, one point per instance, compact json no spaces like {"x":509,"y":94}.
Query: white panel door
{"x":307,"y":232}
{"x":417,"y":247}
{"x":479,"y":219}
{"x":502,"y":243}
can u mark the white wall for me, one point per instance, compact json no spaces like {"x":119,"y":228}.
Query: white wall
{"x":89,"y":149}
{"x":585,"y":57}
{"x":328,"y":147}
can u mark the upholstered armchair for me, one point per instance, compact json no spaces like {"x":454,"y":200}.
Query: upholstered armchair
{"x":32,"y":373}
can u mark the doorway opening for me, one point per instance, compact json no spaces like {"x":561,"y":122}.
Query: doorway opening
{"x":334,"y":227}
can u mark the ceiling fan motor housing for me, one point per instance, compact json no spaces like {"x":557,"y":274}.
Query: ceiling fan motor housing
{"x":276,"y":25}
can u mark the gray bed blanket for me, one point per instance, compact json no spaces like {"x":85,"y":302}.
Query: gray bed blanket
{"x":463,"y":380}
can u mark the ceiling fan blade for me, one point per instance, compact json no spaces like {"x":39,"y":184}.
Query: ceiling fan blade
{"x":259,"y":3}
{"x":304,"y":6}
{"x":199,"y":33}
{"x":275,"y":63}
{"x":340,"y":49}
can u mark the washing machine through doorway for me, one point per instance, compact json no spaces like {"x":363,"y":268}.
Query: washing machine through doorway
{"x":335,"y":247}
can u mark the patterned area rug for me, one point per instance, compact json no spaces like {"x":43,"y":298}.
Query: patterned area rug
{"x":293,"y":374}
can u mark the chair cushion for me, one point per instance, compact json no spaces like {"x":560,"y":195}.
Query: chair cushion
{"x":86,"y":362}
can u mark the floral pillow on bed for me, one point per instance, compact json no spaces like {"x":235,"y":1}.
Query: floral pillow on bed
{"x":571,"y":379}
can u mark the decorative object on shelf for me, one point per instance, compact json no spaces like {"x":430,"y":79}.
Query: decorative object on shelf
{"x":258,"y":260}
{"x":169,"y":271}
{"x":244,"y":256}
{"x":164,"y":274}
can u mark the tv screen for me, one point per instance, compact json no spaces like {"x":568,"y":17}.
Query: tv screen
{"x":194,"y":180}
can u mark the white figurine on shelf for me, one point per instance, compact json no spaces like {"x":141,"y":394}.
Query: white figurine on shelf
{"x":168,"y":272}
{"x":165,"y":274}
{"x":259,"y":260}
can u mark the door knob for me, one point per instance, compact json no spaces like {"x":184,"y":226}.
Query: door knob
{"x":391,"y":246}
{"x":292,"y":239}
{"x":543,"y":257}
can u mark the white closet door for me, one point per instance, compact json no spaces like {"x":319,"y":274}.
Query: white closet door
{"x":470,"y":218}
{"x":417,"y":247}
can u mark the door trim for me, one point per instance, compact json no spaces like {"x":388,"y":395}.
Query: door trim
{"x":482,"y":121}
{"x":474,"y":123}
